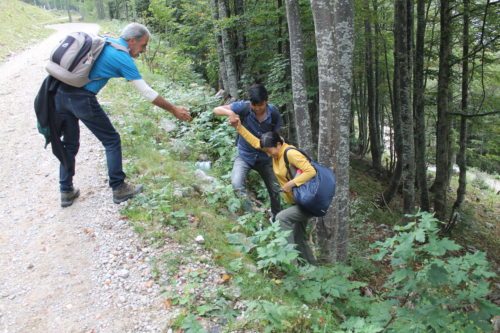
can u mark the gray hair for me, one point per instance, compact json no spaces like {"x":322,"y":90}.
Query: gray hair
{"x":134,"y":31}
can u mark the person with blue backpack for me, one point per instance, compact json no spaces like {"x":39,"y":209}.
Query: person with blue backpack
{"x":259,"y":117}
{"x":284,"y":157}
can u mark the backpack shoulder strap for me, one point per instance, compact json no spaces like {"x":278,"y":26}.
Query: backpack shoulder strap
{"x":287,"y":164}
{"x":118,"y":46}
{"x":115,"y":45}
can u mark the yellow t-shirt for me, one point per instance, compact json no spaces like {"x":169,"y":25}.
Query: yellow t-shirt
{"x":295,"y":158}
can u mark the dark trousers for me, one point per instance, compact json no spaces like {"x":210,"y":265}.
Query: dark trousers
{"x":77,"y":104}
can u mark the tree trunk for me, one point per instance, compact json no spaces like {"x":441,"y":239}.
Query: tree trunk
{"x":333,"y":23}
{"x":239,"y":10}
{"x":101,"y":14}
{"x":70,"y":19}
{"x":461,"y":156}
{"x":223,"y":80}
{"x":229,"y":60}
{"x":400,"y":97}
{"x":299,"y":89}
{"x":419,"y":109}
{"x":370,"y":82}
{"x":362,"y":117}
{"x":379,"y":115}
{"x":443,"y":118}
{"x":403,"y":59}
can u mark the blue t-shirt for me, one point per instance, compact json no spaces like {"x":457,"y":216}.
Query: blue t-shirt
{"x":249,"y":120}
{"x":112,"y":63}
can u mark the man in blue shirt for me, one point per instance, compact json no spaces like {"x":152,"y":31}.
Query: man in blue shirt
{"x":80,"y":104}
{"x":258,"y":117}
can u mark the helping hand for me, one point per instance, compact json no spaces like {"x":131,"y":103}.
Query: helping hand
{"x":182,"y":113}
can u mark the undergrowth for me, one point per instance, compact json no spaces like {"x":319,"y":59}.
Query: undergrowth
{"x":409,"y":280}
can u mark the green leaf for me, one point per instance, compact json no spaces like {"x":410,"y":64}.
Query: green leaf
{"x":420,"y":235}
{"x":437,"y":275}
{"x":401,"y":275}
{"x":439,"y":247}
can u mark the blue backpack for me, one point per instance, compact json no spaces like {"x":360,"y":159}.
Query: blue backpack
{"x":316,"y":195}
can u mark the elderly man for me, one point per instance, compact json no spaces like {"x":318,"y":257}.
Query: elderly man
{"x":80,"y":104}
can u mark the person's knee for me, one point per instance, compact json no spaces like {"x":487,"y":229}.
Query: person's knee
{"x":114,"y":141}
{"x":238,"y":181}
{"x":72,"y":148}
{"x":282,"y":218}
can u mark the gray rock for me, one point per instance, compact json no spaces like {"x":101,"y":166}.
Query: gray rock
{"x":123,"y":273}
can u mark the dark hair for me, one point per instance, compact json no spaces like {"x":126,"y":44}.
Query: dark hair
{"x":257,"y":93}
{"x":270,"y":140}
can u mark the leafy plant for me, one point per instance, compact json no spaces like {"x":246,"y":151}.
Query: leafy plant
{"x":432,"y":288}
{"x":275,"y":317}
{"x":271,"y":247}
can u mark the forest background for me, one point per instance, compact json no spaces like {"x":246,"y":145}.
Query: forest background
{"x":390,"y":94}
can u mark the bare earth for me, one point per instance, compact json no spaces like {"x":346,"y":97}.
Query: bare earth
{"x":78,"y":269}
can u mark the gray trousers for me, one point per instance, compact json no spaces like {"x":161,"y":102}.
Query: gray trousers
{"x":295,"y":219}
{"x":265,"y":170}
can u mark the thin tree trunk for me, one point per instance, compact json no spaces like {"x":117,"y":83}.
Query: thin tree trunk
{"x":70,"y":19}
{"x":333,"y":23}
{"x":370,"y":82}
{"x":100,"y":9}
{"x":400,"y":98}
{"x":419,"y":109}
{"x":379,"y":115}
{"x":239,"y":8}
{"x":461,"y":156}
{"x":223,"y":80}
{"x":229,"y":60}
{"x":299,"y":88}
{"x":443,"y":121}
{"x":362,"y":118}
{"x":406,"y":21}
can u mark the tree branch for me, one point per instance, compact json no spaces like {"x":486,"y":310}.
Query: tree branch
{"x":473,"y":115}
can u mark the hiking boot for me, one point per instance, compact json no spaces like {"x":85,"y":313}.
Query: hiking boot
{"x":125,"y":191}
{"x":67,"y":198}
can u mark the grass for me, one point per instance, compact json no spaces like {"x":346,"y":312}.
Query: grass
{"x":22,"y":25}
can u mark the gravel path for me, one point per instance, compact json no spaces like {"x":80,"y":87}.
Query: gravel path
{"x":78,"y":269}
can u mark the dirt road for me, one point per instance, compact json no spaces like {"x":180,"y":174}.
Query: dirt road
{"x":78,"y":269}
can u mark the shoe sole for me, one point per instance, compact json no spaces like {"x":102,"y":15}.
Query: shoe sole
{"x":68,"y":203}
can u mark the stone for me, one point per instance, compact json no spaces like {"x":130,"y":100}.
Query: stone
{"x":123,"y":273}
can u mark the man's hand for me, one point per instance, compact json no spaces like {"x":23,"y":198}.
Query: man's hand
{"x":234,"y":120}
{"x":288,"y":186}
{"x":182,"y":113}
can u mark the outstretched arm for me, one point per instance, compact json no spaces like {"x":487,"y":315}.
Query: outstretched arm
{"x":225,"y":110}
{"x":246,"y":134}
{"x":179,"y":112}
{"x":148,"y":93}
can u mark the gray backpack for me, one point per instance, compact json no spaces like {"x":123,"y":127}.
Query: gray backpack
{"x":72,"y":60}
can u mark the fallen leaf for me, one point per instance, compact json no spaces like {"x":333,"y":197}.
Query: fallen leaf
{"x":167,"y":303}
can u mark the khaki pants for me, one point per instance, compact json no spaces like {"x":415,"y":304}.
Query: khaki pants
{"x":295,"y":219}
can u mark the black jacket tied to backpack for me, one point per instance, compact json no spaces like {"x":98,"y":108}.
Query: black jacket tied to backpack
{"x":47,"y":122}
